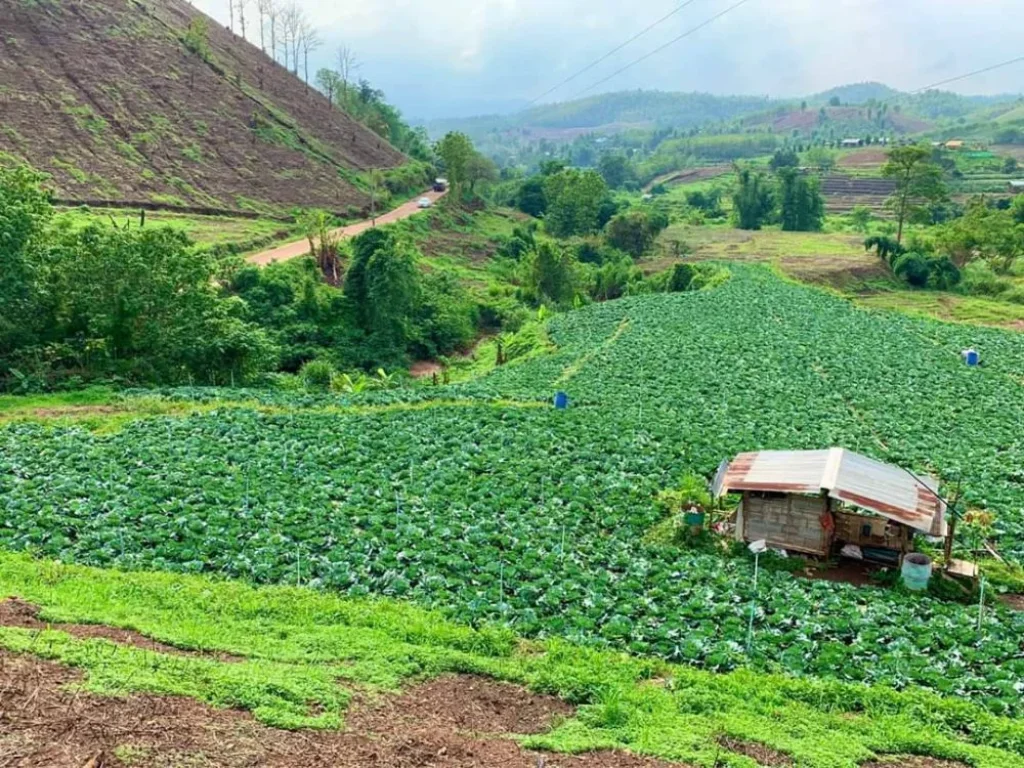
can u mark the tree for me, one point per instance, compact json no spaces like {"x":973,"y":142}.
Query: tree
{"x":887,"y":249}
{"x":25,"y":212}
{"x":550,"y":273}
{"x":1017,"y":209}
{"x":265,"y":9}
{"x":918,"y":183}
{"x":329,"y":82}
{"x":375,"y":182}
{"x":635,"y":231}
{"x":752,"y":201}
{"x":480,"y":169}
{"x":347,"y":66}
{"x":382,"y":284}
{"x":323,"y":243}
{"x":802,"y":206}
{"x":240,"y":4}
{"x":784,"y":158}
{"x":1011,"y":165}
{"x":821,"y":158}
{"x":455,"y":151}
{"x":273,"y":13}
{"x":574,"y":202}
{"x":309,"y":41}
{"x":860,"y":217}
{"x":615,"y":169}
{"x":530,"y":199}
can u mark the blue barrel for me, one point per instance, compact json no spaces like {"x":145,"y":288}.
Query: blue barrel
{"x":916,"y":571}
{"x":561,"y":401}
{"x":972,"y":357}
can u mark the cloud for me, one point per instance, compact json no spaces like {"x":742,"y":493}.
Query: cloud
{"x":465,"y":54}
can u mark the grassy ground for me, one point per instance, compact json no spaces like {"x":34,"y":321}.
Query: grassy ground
{"x":948,"y":306}
{"x":299,"y":654}
{"x":205,"y":230}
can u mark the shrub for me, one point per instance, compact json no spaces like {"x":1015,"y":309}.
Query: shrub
{"x":317,"y":375}
{"x":913,"y":268}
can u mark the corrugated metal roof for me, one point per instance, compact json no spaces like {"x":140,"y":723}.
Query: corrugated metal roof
{"x":887,"y":490}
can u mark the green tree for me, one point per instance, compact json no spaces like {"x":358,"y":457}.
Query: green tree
{"x":330,"y":83}
{"x":574,"y":202}
{"x":25,"y":212}
{"x":456,"y":151}
{"x":1017,"y":209}
{"x":752,"y":201}
{"x":821,"y":158}
{"x":918,"y":184}
{"x":801,"y":204}
{"x":1011,"y":165}
{"x":784,"y":158}
{"x":382,"y":284}
{"x":635,"y":231}
{"x":860,"y":217}
{"x":530,"y":198}
{"x":480,"y":169}
{"x":616,"y":169}
{"x":550,"y":272}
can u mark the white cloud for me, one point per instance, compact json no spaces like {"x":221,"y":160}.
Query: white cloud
{"x":427,"y":54}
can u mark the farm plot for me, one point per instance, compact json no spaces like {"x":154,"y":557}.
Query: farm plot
{"x":535,"y":518}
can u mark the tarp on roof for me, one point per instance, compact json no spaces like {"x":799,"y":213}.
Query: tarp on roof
{"x":884,"y":489}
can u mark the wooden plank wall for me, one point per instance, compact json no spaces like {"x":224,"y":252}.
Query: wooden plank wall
{"x":789,"y":522}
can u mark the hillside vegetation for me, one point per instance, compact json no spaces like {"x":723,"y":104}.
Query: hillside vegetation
{"x":150,"y":101}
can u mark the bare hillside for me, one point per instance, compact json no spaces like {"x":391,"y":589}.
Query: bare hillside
{"x":119,"y":103}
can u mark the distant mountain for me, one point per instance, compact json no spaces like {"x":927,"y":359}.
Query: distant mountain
{"x":863,"y":108}
{"x":856,"y":93}
{"x":151,"y":101}
{"x":611,"y":112}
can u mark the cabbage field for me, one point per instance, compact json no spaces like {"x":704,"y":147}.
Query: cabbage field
{"x":499,"y":510}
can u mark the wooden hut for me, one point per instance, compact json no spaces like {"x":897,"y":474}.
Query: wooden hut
{"x":816,"y":501}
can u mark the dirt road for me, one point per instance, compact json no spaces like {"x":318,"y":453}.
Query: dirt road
{"x":301,"y":247}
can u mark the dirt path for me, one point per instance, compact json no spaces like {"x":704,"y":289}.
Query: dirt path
{"x":301,"y":247}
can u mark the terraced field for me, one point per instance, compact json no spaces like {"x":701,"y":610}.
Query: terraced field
{"x":478,"y":500}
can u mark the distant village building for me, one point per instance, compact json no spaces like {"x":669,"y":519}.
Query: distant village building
{"x":851,"y":143}
{"x":1017,"y":186}
{"x":815,"y":501}
{"x":956,"y":144}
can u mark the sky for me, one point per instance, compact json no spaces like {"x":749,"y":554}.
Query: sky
{"x":453,"y":58}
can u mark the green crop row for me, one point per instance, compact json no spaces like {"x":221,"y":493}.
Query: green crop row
{"x":536,"y":518}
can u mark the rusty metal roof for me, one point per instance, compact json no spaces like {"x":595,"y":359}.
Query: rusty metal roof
{"x":884,"y":489}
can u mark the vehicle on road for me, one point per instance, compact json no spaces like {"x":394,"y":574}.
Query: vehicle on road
{"x":440,"y":185}
{"x":425,"y":202}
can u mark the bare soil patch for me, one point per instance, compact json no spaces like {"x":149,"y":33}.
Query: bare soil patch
{"x":1013,"y":602}
{"x":762,"y":753}
{"x":18,"y":613}
{"x":47,"y":720}
{"x":914,"y":761}
{"x":867,"y":157}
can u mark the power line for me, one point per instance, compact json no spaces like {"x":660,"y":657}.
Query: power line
{"x":659,"y":49}
{"x":970,"y":74}
{"x":613,"y":51}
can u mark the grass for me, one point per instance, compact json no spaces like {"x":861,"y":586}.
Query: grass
{"x":947,"y":306}
{"x":204,"y":230}
{"x":304,"y":651}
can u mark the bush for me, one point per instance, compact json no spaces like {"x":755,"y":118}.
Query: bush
{"x":316,"y":375}
{"x":979,"y":279}
{"x":913,"y":268}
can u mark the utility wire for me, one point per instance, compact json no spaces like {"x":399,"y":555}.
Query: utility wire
{"x":970,"y":74}
{"x":661,"y":48}
{"x":613,"y":51}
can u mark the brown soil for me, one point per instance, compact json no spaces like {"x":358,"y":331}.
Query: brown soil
{"x":1013,"y":602}
{"x":100,"y":93}
{"x":914,"y":761}
{"x":845,"y":571}
{"x":47,"y":720}
{"x":18,"y":613}
{"x":763,"y":754}
{"x":423,"y":369}
{"x":861,"y":158}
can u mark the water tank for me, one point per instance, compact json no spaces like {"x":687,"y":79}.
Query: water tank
{"x":561,"y":401}
{"x":917,"y":571}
